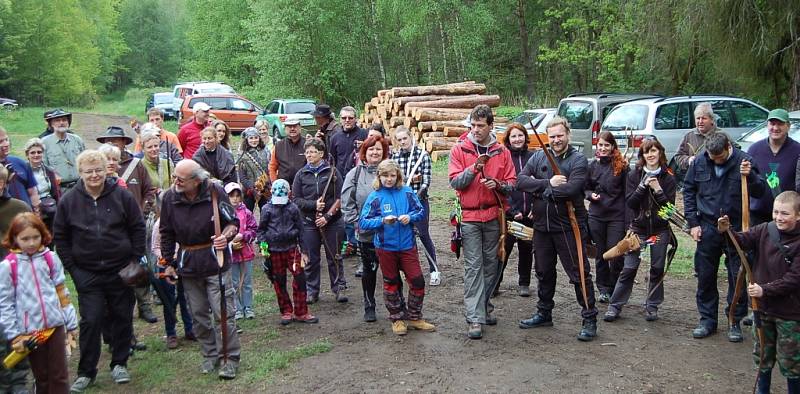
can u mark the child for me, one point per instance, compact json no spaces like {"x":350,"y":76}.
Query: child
{"x":775,"y":284}
{"x":243,"y":254}
{"x":390,"y":211}
{"x":176,"y":297}
{"x":280,"y":227}
{"x":33,"y":298}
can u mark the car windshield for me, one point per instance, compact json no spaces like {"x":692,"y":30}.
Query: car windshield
{"x":299,"y":108}
{"x":760,"y":132}
{"x":162,"y":98}
{"x":579,"y":113}
{"x":626,"y":117}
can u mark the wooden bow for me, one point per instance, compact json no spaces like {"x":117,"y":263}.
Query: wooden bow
{"x":573,"y":221}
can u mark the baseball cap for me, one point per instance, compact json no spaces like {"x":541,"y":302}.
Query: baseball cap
{"x":231,"y":187}
{"x":779,"y":114}
{"x":200,"y":106}
{"x":280,"y":192}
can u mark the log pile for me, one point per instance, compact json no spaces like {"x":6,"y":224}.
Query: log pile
{"x":434,"y":114}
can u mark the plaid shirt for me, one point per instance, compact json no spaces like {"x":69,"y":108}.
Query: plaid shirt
{"x":407,"y":160}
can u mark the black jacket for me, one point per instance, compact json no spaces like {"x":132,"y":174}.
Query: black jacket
{"x":219,"y":164}
{"x":611,"y":188}
{"x":101,"y":235}
{"x":308,"y":186}
{"x":521,"y":202}
{"x":280,"y":226}
{"x":707,"y":197}
{"x":342,"y":146}
{"x":549,"y":204}
{"x":644,"y":203}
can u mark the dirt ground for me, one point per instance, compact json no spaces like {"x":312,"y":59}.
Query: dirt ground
{"x":629,"y":355}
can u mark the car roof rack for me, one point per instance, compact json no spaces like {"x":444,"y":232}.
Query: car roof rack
{"x":690,"y":96}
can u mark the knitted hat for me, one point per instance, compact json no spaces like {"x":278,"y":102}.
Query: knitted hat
{"x":280,"y":192}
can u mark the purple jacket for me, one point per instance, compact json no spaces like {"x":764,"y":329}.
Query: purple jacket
{"x":247,"y":227}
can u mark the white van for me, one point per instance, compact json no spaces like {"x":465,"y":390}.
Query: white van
{"x":180,"y":91}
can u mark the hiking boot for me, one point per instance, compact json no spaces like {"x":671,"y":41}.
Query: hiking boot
{"x":475,"y":331}
{"x":208,"y":366}
{"x":436,"y":278}
{"x":239,"y":315}
{"x":81,"y":384}
{"x":603,"y":298}
{"x":399,"y":327}
{"x":735,"y":333}
{"x":249,"y":314}
{"x":491,"y":320}
{"x":588,"y":331}
{"x":524,"y":291}
{"x":286,"y":318}
{"x":610,"y":315}
{"x":421,"y":325}
{"x":227,"y":371}
{"x":360,"y":270}
{"x":539,"y":319}
{"x":651,"y":315}
{"x":147,"y":315}
{"x":172,"y":342}
{"x":120,"y":374}
{"x":369,"y":315}
{"x":702,"y":331}
{"x":341,"y":296}
{"x":307,"y":318}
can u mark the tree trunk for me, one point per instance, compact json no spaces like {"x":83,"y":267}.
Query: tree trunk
{"x":527,"y":67}
{"x":458,"y":102}
{"x":444,"y":49}
{"x":441,"y":143}
{"x":795,"y":82}
{"x":426,"y":114}
{"x":448,"y":89}
{"x":399,"y":102}
{"x":455,"y":131}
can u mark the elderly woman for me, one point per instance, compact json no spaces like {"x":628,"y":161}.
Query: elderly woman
{"x":316,"y":190}
{"x":357,"y":187}
{"x":215,"y":159}
{"x":167,"y":147}
{"x":223,"y":133}
{"x":46,"y":181}
{"x":253,"y":165}
{"x":98,"y":231}
{"x":263,"y":132}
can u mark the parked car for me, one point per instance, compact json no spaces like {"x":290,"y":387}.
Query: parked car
{"x":539,"y":118}
{"x":670,"y":118}
{"x":760,"y":132}
{"x":238,"y":112}
{"x":278,"y":110}
{"x":8,"y":104}
{"x":182,"y":90}
{"x":586,"y":112}
{"x":162,"y":101}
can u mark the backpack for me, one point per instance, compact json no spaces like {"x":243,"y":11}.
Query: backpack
{"x":12,"y":258}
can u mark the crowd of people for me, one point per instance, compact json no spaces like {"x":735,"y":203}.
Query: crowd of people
{"x":183,"y":219}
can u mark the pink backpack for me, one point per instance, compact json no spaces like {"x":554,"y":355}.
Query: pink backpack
{"x":12,"y":258}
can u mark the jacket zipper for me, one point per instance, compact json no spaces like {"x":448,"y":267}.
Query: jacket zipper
{"x":38,"y":292}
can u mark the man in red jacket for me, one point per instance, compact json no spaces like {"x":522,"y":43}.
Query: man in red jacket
{"x":189,"y":134}
{"x":482,"y":174}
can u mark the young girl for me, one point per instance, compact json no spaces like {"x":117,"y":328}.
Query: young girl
{"x":390,"y":212}
{"x":34,"y":298}
{"x":280,"y":227}
{"x":243,"y":253}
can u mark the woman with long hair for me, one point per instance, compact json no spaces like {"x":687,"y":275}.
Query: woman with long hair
{"x":605,"y":190}
{"x":223,"y":133}
{"x":253,"y":165}
{"x":649,"y":187}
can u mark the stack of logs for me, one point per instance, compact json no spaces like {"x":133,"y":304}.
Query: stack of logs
{"x":434,"y":114}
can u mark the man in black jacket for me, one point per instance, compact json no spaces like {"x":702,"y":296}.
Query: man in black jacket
{"x":98,"y":230}
{"x":712,"y":189}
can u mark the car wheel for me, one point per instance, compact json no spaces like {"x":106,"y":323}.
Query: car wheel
{"x":9,"y":107}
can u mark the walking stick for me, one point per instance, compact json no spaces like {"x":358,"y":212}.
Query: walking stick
{"x":223,"y":306}
{"x":322,"y":237}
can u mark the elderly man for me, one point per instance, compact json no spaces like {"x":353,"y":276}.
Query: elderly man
{"x":99,"y":230}
{"x":288,"y":157}
{"x":328,"y":127}
{"x":21,"y":181}
{"x":189,"y":134}
{"x":712,"y":190}
{"x":55,"y":118}
{"x":693,"y":143}
{"x":62,"y":148}
{"x":186,"y":220}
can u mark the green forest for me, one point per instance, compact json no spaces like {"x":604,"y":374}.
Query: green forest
{"x":70,"y":52}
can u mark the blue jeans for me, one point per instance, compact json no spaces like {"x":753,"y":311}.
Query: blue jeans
{"x":243,"y":272}
{"x":170,"y":321}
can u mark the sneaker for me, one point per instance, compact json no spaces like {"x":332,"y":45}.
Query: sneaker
{"x":604,"y":297}
{"x":610,"y":316}
{"x":399,"y":327}
{"x":539,"y":319}
{"x":702,"y":331}
{"x":239,"y":330}
{"x":369,"y":315}
{"x":249,"y":314}
{"x":227,"y":371}
{"x":524,"y":291}
{"x":239,"y":315}
{"x":307,"y":318}
{"x":81,"y":384}
{"x":491,"y":320}
{"x":436,"y":278}
{"x":735,"y":333}
{"x":341,"y":296}
{"x":588,"y":330}
{"x":286,"y":318}
{"x":120,"y":374}
{"x":475,"y":331}
{"x":208,"y":366}
{"x":421,"y":325}
{"x":172,"y":342}
{"x":147,"y":315}
{"x":651,"y":315}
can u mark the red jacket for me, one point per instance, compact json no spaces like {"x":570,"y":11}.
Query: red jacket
{"x":478,"y":203}
{"x":190,"y":139}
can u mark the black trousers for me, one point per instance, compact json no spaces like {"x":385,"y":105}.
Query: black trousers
{"x":711,"y":247}
{"x":525,"y":260}
{"x":605,"y":235}
{"x":103,"y":300}
{"x":369,"y":259}
{"x":549,"y":246}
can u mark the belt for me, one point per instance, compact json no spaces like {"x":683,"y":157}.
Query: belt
{"x":191,"y":248}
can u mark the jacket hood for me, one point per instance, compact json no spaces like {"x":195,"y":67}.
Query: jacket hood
{"x":108,"y":187}
{"x":492,"y":140}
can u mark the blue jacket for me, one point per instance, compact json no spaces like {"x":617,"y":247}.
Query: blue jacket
{"x":395,"y":237}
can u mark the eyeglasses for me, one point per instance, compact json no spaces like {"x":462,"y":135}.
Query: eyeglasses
{"x":179,"y":179}
{"x":348,"y":117}
{"x":35,"y":152}
{"x":93,"y":171}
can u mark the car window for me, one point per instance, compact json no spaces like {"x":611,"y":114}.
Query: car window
{"x":239,"y":105}
{"x":579,"y":113}
{"x":182,"y":92}
{"x":626,"y":116}
{"x":216,"y":103}
{"x":673,"y":116}
{"x":746,"y":114}
{"x":723,"y":113}
{"x":299,"y":108}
